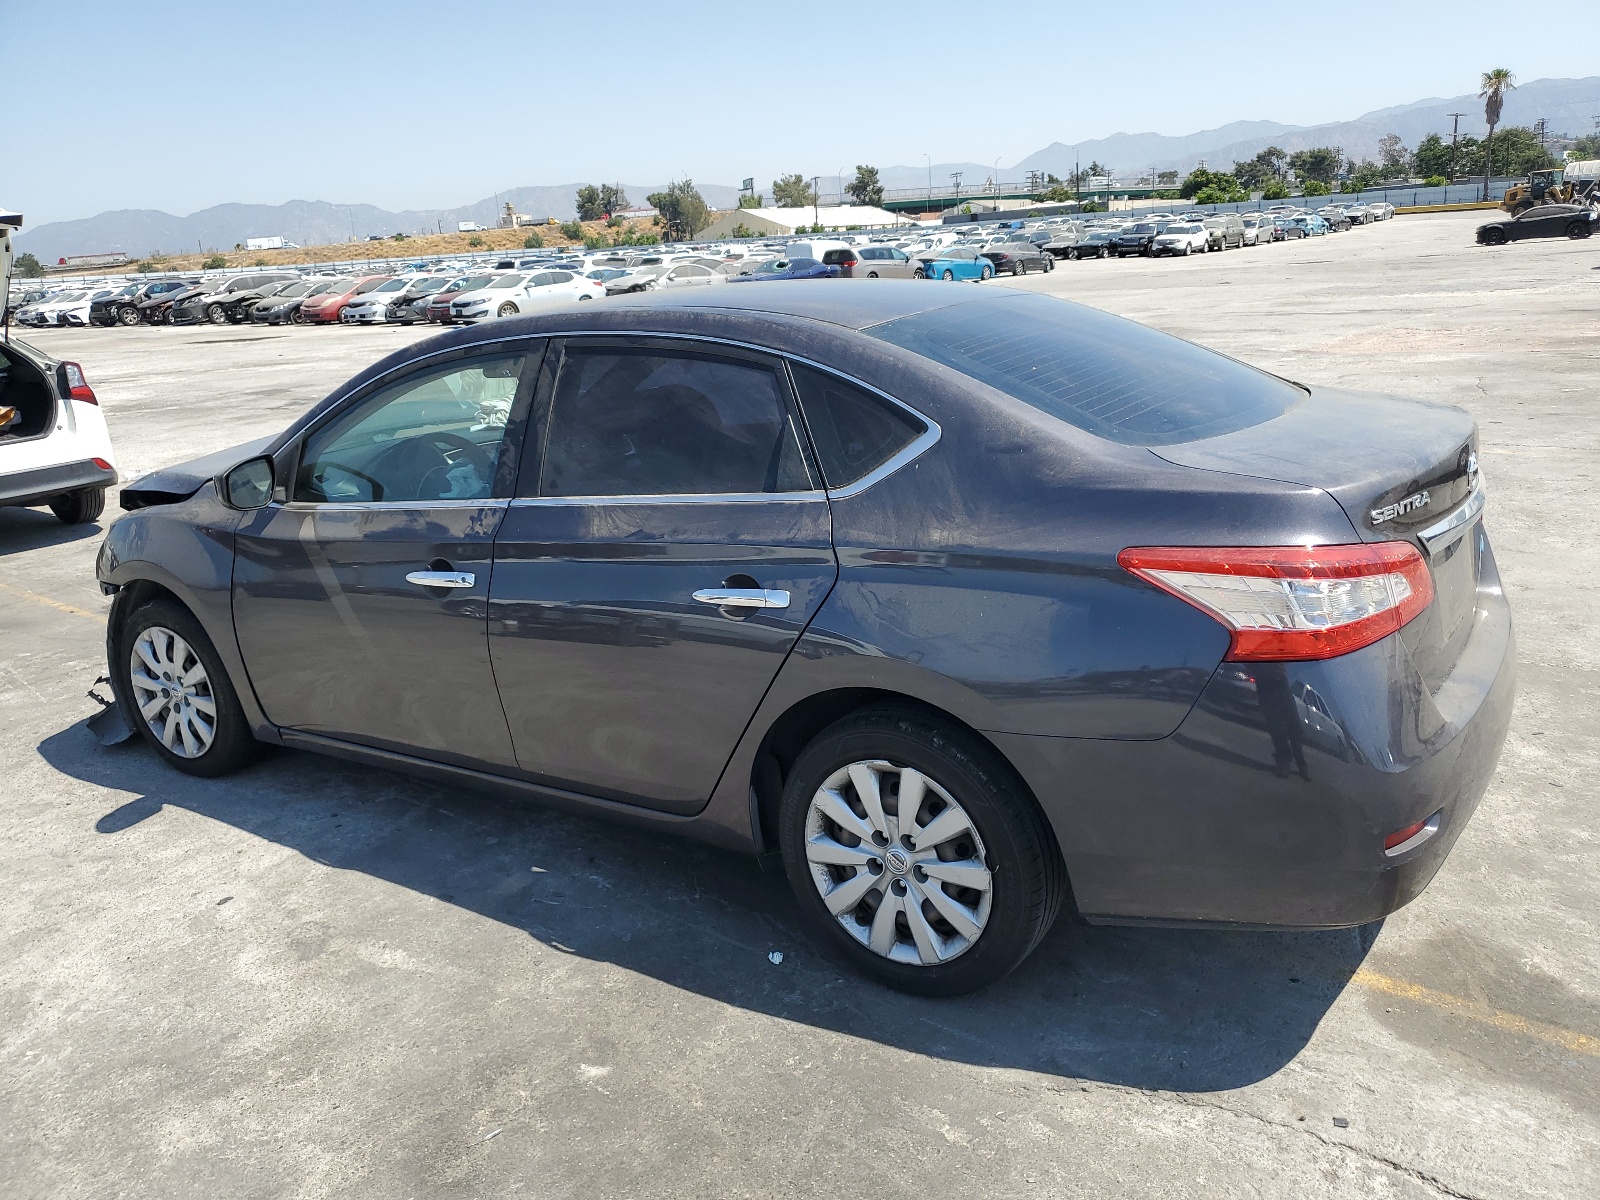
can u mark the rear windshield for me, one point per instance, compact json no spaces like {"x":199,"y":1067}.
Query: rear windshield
{"x":1112,"y":377}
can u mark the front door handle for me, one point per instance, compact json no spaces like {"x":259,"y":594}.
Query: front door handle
{"x":442,"y":579}
{"x":743,"y":597}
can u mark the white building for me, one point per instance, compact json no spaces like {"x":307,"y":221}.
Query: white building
{"x":782,"y":222}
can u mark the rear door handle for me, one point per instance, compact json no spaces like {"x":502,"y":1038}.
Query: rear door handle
{"x":743,"y":597}
{"x":442,"y":579}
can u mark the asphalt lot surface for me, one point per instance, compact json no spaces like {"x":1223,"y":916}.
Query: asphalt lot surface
{"x":313,"y":979}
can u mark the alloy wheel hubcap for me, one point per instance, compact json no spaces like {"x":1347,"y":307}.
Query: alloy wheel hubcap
{"x":173,"y":692}
{"x":898,"y":862}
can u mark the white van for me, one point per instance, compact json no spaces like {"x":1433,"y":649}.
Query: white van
{"x":814,"y":249}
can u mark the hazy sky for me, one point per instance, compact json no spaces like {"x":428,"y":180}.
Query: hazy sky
{"x":178,"y":106}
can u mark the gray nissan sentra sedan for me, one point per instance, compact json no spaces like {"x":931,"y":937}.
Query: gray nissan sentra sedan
{"x":969,"y":603}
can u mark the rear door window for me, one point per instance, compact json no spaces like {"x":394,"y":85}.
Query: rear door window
{"x":627,"y":422}
{"x":1111,"y":377}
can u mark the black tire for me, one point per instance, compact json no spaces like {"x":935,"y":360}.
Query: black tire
{"x":507,"y":309}
{"x":1073,"y":255}
{"x":296,"y":318}
{"x":79,"y":508}
{"x":1494,"y":237}
{"x":948,"y":274}
{"x":1029,"y":881}
{"x":128,"y":317}
{"x":986,"y":274}
{"x":1017,"y":269}
{"x":1104,"y":252}
{"x":233,"y":745}
{"x":919,"y":273}
{"x":1578,"y":230}
{"x":216,"y":314}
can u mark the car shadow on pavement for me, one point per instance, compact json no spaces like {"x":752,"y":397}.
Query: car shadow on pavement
{"x":34,"y":528}
{"x":1179,"y":1010}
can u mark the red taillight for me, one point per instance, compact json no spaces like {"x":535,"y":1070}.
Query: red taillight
{"x":101,"y":463}
{"x":1293,"y":602}
{"x":77,"y":386}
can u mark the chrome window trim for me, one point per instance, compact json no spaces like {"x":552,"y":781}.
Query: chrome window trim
{"x":387,"y":505}
{"x":673,"y":498}
{"x":1446,"y":532}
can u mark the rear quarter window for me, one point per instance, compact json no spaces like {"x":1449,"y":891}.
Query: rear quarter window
{"x":1108,"y":376}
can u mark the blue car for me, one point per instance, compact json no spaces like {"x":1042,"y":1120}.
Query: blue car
{"x":1306,"y":225}
{"x":957,"y":262}
{"x":788,"y":268}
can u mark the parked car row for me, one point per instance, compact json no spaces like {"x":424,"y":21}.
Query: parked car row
{"x":487,"y":287}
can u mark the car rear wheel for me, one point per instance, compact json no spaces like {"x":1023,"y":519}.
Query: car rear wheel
{"x":79,"y":508}
{"x":1578,"y":230}
{"x":872,"y":274}
{"x":914,"y":850}
{"x":176,"y":693}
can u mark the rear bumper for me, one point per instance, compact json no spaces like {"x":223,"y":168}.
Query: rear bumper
{"x":24,"y":488}
{"x":1269,"y":805}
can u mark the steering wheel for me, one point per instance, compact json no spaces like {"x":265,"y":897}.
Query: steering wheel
{"x":433,"y":477}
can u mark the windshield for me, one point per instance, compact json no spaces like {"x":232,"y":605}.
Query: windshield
{"x":1111,"y":377}
{"x":394,"y":285}
{"x":1144,"y":228}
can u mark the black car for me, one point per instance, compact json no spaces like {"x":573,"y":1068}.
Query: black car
{"x":126,"y":306}
{"x":969,"y":603}
{"x":1548,"y":220}
{"x":1096,"y":243}
{"x":284,"y":307}
{"x":1018,"y":257}
{"x":1138,"y":239}
{"x":157,"y":307}
{"x":221,"y":302}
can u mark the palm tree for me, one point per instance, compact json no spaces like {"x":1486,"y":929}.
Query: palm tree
{"x":1496,"y":84}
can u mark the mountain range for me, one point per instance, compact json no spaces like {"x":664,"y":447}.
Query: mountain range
{"x":1570,"y":106}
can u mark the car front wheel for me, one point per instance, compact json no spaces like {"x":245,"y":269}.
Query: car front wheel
{"x":175,"y":692}
{"x":507,"y":309}
{"x":914,"y":849}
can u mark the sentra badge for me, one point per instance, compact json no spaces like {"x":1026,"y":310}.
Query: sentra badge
{"x":1399,"y":508}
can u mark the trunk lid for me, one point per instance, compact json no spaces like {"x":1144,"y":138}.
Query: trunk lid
{"x":1398,"y":469}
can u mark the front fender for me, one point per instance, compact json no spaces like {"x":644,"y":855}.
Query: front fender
{"x":185,"y":549}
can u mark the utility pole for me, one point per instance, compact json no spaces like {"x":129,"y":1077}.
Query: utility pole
{"x":1541,"y":129}
{"x":1455,"y":133}
{"x":816,"y":200}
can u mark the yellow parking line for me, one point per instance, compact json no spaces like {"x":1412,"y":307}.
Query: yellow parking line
{"x":23,"y":594}
{"x":1474,"y":1010}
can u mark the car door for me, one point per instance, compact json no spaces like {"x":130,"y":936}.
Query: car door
{"x":669,"y":544}
{"x":360,"y":592}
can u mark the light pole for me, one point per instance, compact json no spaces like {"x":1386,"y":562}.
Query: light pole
{"x":929,"y":157}
{"x":816,"y":207}
{"x":1455,"y":132}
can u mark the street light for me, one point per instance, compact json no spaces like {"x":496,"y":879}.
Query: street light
{"x":816,"y":208}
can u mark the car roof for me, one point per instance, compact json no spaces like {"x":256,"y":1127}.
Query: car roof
{"x":856,"y":304}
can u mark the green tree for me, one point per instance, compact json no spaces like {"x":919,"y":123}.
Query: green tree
{"x":474,"y":242}
{"x":1275,"y":190}
{"x":595,"y":203}
{"x":1495,"y":85}
{"x":1363,"y":175}
{"x":683,"y":210}
{"x":1517,"y":151}
{"x":1261,"y":170}
{"x":866,"y":187}
{"x":27,"y":266}
{"x":1059,"y":194}
{"x":1220,"y":185}
{"x":1393,"y":156}
{"x":751,"y":200}
{"x":533,"y":241}
{"x":1588,"y":146}
{"x":1315,"y":187}
{"x":741,"y":230}
{"x":1320,"y":164}
{"x":1435,"y":181}
{"x":792,"y":191}
{"x":1432,"y":156}
{"x":215,"y":263}
{"x":572,"y":231}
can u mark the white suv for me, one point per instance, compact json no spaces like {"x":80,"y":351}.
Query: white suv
{"x":54,"y":446}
